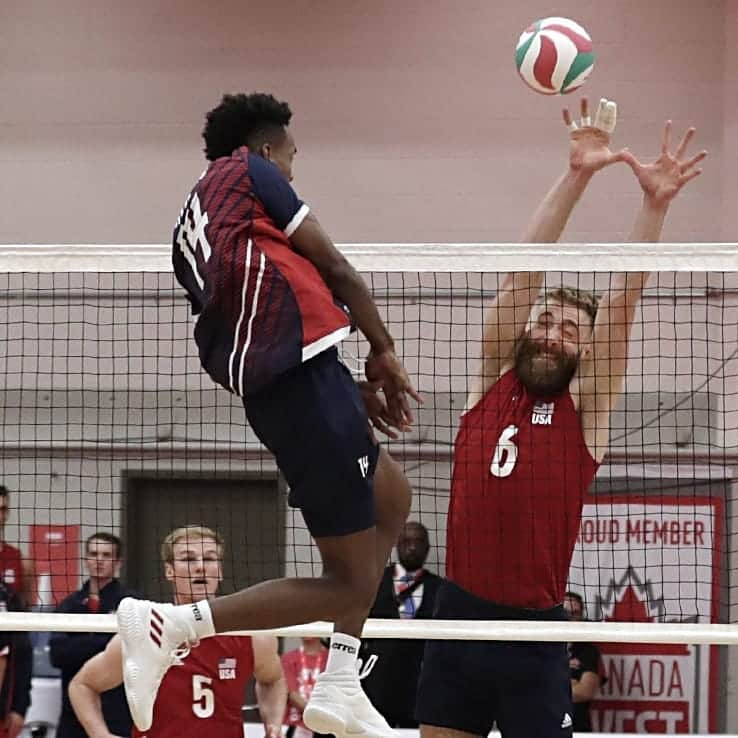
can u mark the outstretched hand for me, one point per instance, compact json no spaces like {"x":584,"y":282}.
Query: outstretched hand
{"x":386,"y":369}
{"x":589,"y":150}
{"x":662,"y":179}
{"x":376,"y":409}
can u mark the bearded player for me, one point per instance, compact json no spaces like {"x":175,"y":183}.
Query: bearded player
{"x":203,"y":693}
{"x":534,"y":431}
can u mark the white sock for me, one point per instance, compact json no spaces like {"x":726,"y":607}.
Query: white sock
{"x":342,"y":652}
{"x":200,"y":617}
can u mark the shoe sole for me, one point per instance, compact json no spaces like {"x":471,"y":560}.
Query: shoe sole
{"x":323,"y":721}
{"x":130,"y":632}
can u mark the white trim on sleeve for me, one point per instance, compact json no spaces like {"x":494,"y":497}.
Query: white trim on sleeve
{"x":296,"y":221}
{"x":316,"y":347}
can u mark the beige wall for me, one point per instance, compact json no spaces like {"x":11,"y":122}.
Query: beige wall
{"x":411,"y":121}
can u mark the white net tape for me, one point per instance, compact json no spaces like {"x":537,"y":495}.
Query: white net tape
{"x":402,"y":257}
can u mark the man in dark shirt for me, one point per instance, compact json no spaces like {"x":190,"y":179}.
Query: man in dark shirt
{"x":407,"y":590}
{"x":101,"y":593}
{"x":585,"y":668}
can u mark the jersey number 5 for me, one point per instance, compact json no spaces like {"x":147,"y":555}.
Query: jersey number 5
{"x":506,"y":453}
{"x":203,"y":697}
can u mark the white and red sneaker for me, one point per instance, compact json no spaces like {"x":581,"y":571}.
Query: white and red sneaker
{"x":152,"y":636}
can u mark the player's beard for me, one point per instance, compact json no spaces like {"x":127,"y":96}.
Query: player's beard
{"x":543,"y":375}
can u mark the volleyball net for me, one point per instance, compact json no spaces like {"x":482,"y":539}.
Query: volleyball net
{"x":108,"y":423}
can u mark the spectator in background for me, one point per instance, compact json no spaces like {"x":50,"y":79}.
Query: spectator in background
{"x":101,"y":593}
{"x":18,"y":583}
{"x":407,"y":590}
{"x":585,"y":668}
{"x":301,"y":668}
{"x":16,"y":663}
{"x":16,"y":571}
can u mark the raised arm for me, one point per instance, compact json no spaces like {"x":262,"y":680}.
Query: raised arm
{"x":602,"y":369}
{"x":508,"y":315}
{"x":271,"y":687}
{"x":101,"y":673}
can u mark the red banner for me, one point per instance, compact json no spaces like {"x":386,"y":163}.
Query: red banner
{"x":55,"y":552}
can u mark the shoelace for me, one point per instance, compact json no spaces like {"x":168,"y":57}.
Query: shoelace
{"x":180,"y":654}
{"x":364,"y":669}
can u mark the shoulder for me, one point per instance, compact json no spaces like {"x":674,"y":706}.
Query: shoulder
{"x":504,"y":384}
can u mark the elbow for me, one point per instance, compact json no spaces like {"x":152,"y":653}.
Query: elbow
{"x":73,"y":693}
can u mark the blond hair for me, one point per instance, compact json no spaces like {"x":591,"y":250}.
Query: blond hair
{"x":582,"y":299}
{"x":191,"y":532}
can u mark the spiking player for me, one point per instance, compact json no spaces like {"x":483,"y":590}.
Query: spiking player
{"x":203,"y":692}
{"x":531,"y":438}
{"x":268,"y":288}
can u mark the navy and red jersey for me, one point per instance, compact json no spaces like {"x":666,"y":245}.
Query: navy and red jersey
{"x":204,"y":694}
{"x":521,"y":469}
{"x":261,"y":307}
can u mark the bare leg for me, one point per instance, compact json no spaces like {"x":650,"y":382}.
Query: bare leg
{"x":392,"y":500}
{"x":352,"y":568}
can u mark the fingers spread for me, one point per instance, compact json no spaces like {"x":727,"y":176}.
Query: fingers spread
{"x":568,"y":122}
{"x":584,"y":109}
{"x":666,"y":143}
{"x":689,"y":177}
{"x":607,"y":116}
{"x":696,"y":159}
{"x":679,"y":153}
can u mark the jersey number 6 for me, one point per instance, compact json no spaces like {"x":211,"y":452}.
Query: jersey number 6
{"x":506,"y":453}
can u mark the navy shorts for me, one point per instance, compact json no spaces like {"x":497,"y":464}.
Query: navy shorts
{"x":313,"y":420}
{"x":469,"y":685}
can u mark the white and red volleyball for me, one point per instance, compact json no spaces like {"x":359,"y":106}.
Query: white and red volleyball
{"x":554,"y":56}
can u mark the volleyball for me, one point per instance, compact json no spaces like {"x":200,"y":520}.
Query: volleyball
{"x":554,"y":56}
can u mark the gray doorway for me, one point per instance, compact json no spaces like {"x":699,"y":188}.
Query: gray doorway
{"x":248,"y":511}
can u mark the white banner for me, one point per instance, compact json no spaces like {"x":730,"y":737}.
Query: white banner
{"x":651,"y":560}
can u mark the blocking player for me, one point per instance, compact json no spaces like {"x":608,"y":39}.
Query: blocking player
{"x":204,"y":692}
{"x":273,"y":298}
{"x":533,"y":433}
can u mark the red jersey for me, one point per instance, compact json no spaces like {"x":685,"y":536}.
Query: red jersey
{"x":11,"y":568}
{"x":300,"y":672}
{"x":203,"y":695}
{"x":521,"y":468}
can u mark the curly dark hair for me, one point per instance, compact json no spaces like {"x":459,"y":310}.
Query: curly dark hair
{"x":244,"y":120}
